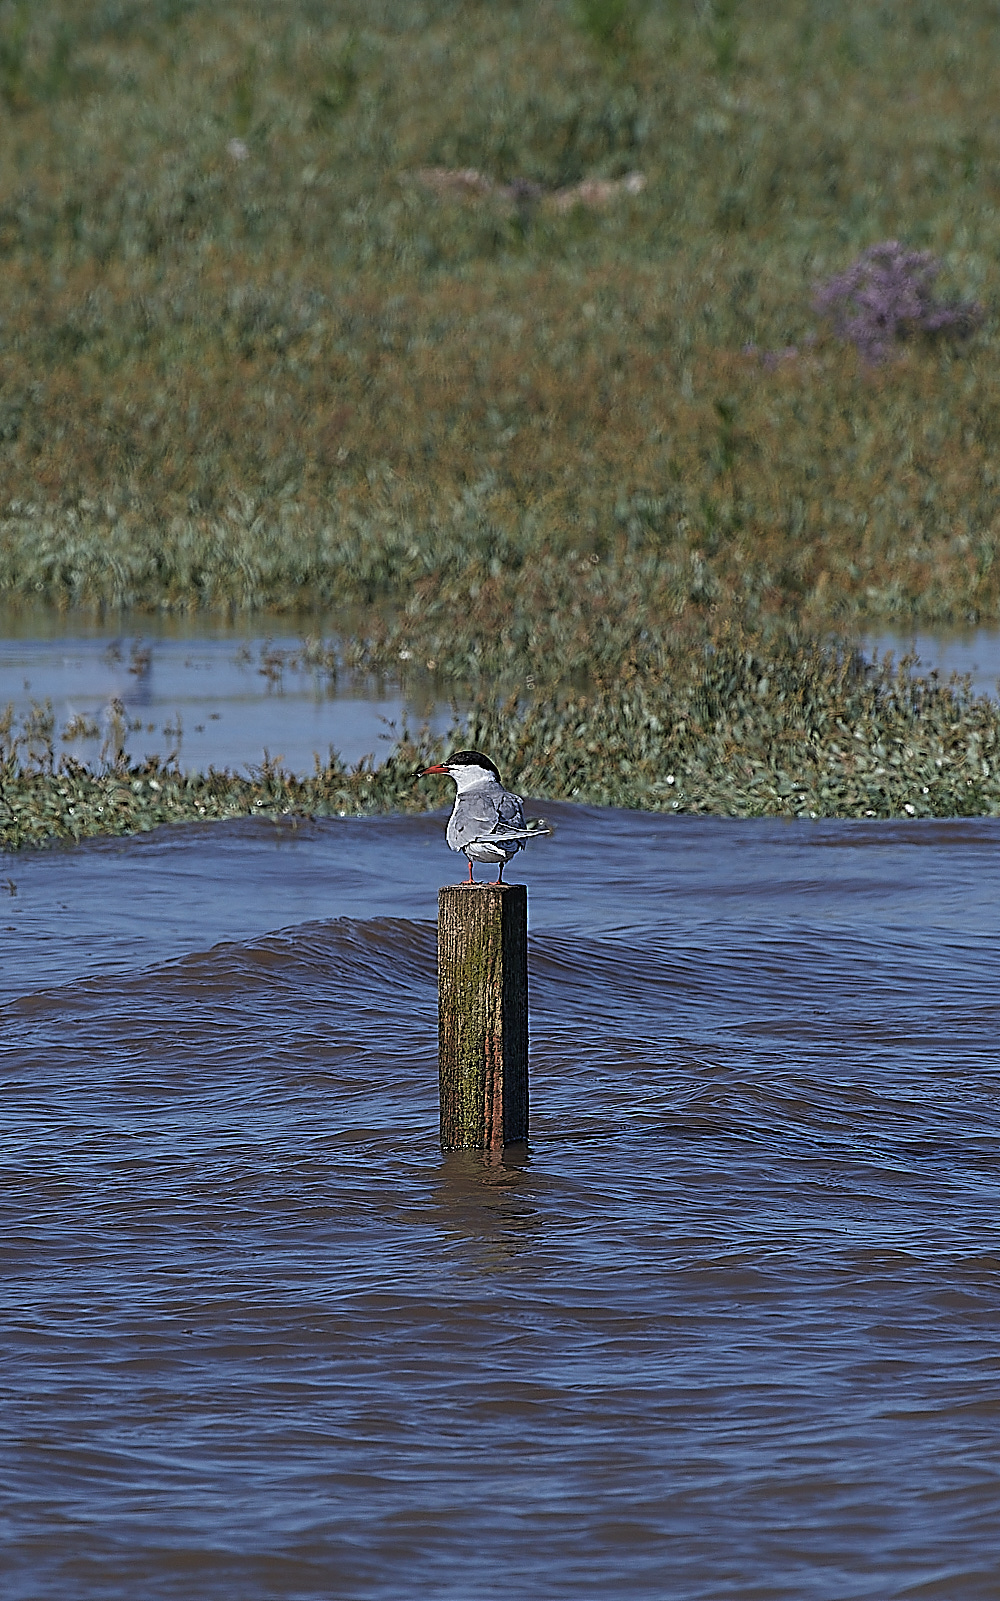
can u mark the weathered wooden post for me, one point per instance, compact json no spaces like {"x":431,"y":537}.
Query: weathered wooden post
{"x":483,"y":1015}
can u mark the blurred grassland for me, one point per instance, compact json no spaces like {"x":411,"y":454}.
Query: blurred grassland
{"x":294,"y":376}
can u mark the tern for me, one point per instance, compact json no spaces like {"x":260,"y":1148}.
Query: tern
{"x":487,"y":821}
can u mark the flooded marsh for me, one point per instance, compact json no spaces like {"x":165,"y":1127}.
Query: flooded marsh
{"x":608,"y":385}
{"x":737,"y":727}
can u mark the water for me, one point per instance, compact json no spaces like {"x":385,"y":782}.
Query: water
{"x":975,"y":654}
{"x":225,"y":699}
{"x":729,"y":1326}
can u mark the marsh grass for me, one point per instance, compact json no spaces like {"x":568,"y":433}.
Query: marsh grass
{"x":232,"y":383}
{"x":731,"y":728}
{"x":248,"y":359}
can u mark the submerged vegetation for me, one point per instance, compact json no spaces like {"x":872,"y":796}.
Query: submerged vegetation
{"x":503,"y":326}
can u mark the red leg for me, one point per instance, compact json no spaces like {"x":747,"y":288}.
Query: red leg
{"x":470,"y":879}
{"x":499,"y":877}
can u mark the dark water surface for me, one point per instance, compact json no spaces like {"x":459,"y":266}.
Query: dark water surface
{"x":728,"y":1327}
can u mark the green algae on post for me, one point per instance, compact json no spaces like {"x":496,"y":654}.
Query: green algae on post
{"x":483,"y":1015}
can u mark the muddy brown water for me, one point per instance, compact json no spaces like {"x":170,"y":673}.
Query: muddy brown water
{"x":729,"y":1326}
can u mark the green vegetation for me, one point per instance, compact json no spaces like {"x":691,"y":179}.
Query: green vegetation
{"x":321,"y":307}
{"x":229,"y":380}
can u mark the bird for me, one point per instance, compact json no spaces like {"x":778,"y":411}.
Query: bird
{"x":487,"y":821}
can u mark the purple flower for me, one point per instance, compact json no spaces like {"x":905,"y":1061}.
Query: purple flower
{"x":886,"y":296}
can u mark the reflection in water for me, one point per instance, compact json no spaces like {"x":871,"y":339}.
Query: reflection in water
{"x":218,"y":702}
{"x":975,"y":653}
{"x":485,"y":1199}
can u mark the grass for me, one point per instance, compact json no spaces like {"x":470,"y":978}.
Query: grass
{"x":230,"y":383}
{"x":248,"y":358}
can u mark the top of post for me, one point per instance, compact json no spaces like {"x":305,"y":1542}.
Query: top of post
{"x":479,"y":889}
{"x":490,"y":894}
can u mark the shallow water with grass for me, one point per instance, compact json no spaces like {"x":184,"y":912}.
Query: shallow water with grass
{"x":737,"y":725}
{"x":224,"y":697}
{"x":727,"y":1326}
{"x":233,"y":697}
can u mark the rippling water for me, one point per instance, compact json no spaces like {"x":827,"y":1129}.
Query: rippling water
{"x":728,"y":1327}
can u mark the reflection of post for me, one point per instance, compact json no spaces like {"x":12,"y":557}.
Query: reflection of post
{"x":483,"y":1015}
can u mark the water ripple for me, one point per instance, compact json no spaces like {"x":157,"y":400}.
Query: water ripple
{"x":726,"y":1328}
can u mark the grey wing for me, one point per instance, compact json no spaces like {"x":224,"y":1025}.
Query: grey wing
{"x":510,"y":813}
{"x":475,"y":818}
{"x":509,"y":828}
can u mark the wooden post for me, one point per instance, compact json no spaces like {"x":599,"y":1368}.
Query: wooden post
{"x":483,"y":1015}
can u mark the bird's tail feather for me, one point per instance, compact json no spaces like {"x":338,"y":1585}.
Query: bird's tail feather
{"x":510,"y":834}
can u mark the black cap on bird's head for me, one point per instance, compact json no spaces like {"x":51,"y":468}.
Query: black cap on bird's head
{"x":463,"y":758}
